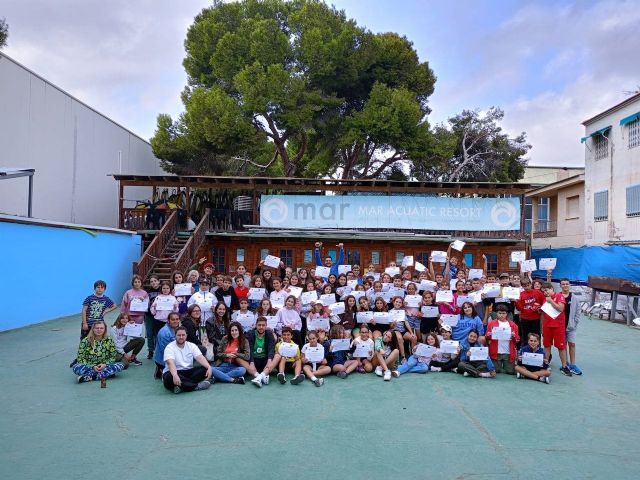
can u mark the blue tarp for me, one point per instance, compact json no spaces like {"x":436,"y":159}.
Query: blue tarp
{"x":577,"y":264}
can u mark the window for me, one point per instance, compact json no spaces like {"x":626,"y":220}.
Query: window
{"x":263,"y":253}
{"x":286,"y":256}
{"x":468,"y":259}
{"x":634,"y":133}
{"x":353,"y":257}
{"x":573,"y":207}
{"x":399,"y":257}
{"x":601,"y":206}
{"x":375,"y":257}
{"x":423,"y":258}
{"x":217,"y":258}
{"x":600,"y":147}
{"x":308,"y":256}
{"x":240,"y":255}
{"x":332,"y":254}
{"x":492,"y":263}
{"x":543,"y":215}
{"x":528,"y":215}
{"x":633,"y":201}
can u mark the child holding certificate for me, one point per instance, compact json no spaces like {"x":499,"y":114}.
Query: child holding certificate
{"x":418,"y":363}
{"x":402,"y":328}
{"x":386,"y":354}
{"x":429,"y":321}
{"x":338,"y":361}
{"x":287,"y":358}
{"x":502,"y":336}
{"x":362,"y":350}
{"x":289,"y":317}
{"x":471,"y":367}
{"x":531,"y":362}
{"x":379,"y":306}
{"x":134,"y":299}
{"x":162,"y":306}
{"x":314,"y":360}
{"x":553,"y":325}
{"x":446,"y":361}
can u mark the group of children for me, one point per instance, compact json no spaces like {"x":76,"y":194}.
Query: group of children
{"x":334,"y":320}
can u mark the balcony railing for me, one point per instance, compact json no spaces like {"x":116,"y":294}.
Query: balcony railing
{"x":545,"y":229}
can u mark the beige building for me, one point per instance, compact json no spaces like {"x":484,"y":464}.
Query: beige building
{"x":544,"y":175}
{"x":555,"y":213}
{"x":612,"y":175}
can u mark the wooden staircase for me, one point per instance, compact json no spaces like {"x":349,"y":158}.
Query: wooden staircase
{"x":171,"y":250}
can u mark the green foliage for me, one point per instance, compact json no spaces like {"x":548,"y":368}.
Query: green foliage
{"x":297,"y":89}
{"x":4,"y":32}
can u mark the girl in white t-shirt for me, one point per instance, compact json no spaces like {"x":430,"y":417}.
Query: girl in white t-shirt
{"x":364,"y":363}
{"x":311,"y":369}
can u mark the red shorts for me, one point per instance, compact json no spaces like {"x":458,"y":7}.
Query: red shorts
{"x":554,"y":336}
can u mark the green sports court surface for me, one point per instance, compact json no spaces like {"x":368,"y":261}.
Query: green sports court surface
{"x":415,"y":427}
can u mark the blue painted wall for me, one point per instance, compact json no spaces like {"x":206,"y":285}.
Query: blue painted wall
{"x":48,"y":271}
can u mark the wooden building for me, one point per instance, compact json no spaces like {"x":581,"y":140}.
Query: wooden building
{"x":232,"y":231}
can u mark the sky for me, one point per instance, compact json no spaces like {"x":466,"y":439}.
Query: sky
{"x":549,"y":65}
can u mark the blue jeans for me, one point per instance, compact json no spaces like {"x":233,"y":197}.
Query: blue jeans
{"x":413,"y":366}
{"x":226,"y":372}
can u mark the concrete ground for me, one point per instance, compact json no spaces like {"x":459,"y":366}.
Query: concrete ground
{"x":418,"y":426}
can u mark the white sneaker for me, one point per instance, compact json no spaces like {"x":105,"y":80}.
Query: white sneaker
{"x":435,"y":369}
{"x":387,"y":375}
{"x":257,"y":381}
{"x":265,"y":379}
{"x":379,"y":371}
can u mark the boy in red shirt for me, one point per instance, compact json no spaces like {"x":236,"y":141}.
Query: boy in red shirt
{"x":553,"y":329}
{"x":241,"y":290}
{"x":529,"y":305}
{"x":502,"y":352}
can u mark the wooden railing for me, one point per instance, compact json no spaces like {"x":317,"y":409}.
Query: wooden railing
{"x":190,"y":249}
{"x":143,"y":266}
{"x":143,"y":218}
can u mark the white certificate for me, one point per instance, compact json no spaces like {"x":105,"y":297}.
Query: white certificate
{"x":352,"y":283}
{"x":462,"y":299}
{"x":272,"y":321}
{"x":475,"y":273}
{"x":430,"y":311}
{"x":336,"y":308}
{"x":288,"y":350}
{"x":424,"y":350}
{"x":528,"y":266}
{"x":271,"y":261}
{"x":386,"y":286}
{"x":452,"y":284}
{"x":308,"y":297}
{"x":318,"y":324}
{"x":340,"y":344}
{"x":444,"y":296}
{"x":364,"y":317}
{"x":413,"y":301}
{"x":343,"y":291}
{"x":381,"y":317}
{"x":491,"y":290}
{"x":295,"y":291}
{"x":396,"y":292}
{"x":132,"y":329}
{"x":419,"y":267}
{"x":182,"y":289}
{"x":357,"y":294}
{"x":458,"y":245}
{"x":247,"y":320}
{"x":512,"y":293}
{"x":450,"y":319}
{"x":328,"y":298}
{"x":277,"y":302}
{"x":427,"y":286}
{"x":397,"y":315}
{"x":502,"y":300}
{"x":323,"y":272}
{"x":547,"y":263}
{"x":478,"y":353}
{"x":439,"y":256}
{"x":533,"y":359}
{"x":518,"y":256}
{"x":392,"y":271}
{"x":257,"y":293}
{"x":386,"y":296}
{"x":165,"y":304}
{"x":550,"y":310}
{"x":449,"y":346}
{"x":344,"y":269}
{"x":407,"y":261}
{"x":362,"y":351}
{"x":476,"y":297}
{"x":314,"y":354}
{"x":501,"y":333}
{"x":139,"y":305}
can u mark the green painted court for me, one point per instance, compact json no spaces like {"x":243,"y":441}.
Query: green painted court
{"x":415,"y":427}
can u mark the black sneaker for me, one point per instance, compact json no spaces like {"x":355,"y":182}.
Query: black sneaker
{"x":566,"y":371}
{"x":150,"y":355}
{"x":177,"y":390}
{"x":136,"y":362}
{"x":297,"y":379}
{"x":239,"y":380}
{"x":282,"y":379}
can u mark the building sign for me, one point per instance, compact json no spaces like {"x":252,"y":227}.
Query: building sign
{"x":389,"y":212}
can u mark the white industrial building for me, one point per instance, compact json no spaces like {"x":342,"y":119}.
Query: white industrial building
{"x":72,"y":147}
{"x":612,"y":175}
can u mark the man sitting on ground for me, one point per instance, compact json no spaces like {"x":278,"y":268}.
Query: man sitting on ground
{"x":179,"y":373}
